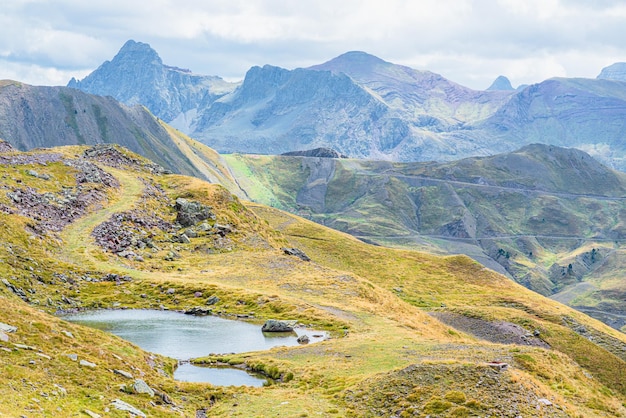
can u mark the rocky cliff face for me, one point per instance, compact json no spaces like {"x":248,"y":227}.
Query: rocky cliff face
{"x":137,"y":75}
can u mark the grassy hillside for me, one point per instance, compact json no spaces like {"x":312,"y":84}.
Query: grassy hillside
{"x":100,"y":228}
{"x":550,"y":218}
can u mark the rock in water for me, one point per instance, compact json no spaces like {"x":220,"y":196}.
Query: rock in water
{"x":303,"y":339}
{"x":274,"y":325}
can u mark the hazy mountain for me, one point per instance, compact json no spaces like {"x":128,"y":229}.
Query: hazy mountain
{"x":500,"y":83}
{"x":615,"y":71}
{"x":544,"y":215}
{"x":362,"y":106}
{"x":574,"y":112}
{"x":137,"y":75}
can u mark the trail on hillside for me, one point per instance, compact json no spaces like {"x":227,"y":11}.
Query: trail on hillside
{"x":77,"y":240}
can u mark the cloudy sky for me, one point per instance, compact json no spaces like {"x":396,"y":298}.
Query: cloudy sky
{"x":468,"y":41}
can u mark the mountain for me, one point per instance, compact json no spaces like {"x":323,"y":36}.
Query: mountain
{"x":365,"y":107}
{"x":32,"y":117}
{"x":615,"y":72}
{"x":500,"y":83}
{"x":550,"y":218}
{"x":586,"y":114}
{"x":369,"y":108}
{"x":137,"y":75}
{"x":410,"y":333}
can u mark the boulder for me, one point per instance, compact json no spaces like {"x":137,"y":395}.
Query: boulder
{"x":191,"y":212}
{"x":274,"y":325}
{"x":303,"y":339}
{"x":87,"y":364}
{"x":3,"y":337}
{"x":123,"y":373}
{"x":198,"y":311}
{"x":297,"y":253}
{"x":7,"y":328}
{"x":212,"y":300}
{"x":123,"y":406}
{"x":142,"y":387}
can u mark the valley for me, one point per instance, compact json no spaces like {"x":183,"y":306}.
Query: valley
{"x":374,"y":302}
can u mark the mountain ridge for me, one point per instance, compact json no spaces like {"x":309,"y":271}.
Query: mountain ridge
{"x":406,"y":114}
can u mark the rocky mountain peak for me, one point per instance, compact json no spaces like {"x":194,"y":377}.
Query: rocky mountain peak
{"x":501,"y":83}
{"x":137,"y":75}
{"x":615,"y":71}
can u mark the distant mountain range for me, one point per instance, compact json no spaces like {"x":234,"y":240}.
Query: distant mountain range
{"x":364,"y":107}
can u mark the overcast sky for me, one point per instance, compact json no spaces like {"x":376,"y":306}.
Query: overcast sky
{"x":470,"y":42}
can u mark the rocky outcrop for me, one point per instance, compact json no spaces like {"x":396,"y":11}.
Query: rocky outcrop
{"x":191,"y":212}
{"x":296,"y":253}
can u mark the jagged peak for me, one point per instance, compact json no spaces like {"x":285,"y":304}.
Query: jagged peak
{"x":132,"y":49}
{"x":501,"y":83}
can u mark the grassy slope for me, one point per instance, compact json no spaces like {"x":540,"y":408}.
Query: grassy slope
{"x":445,"y":207}
{"x":369,"y":297}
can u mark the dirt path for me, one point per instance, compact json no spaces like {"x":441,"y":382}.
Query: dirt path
{"x":79,"y":245}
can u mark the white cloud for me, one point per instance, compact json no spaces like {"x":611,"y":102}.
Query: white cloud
{"x":469,"y":41}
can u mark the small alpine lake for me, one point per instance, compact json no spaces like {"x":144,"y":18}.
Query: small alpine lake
{"x":183,"y":337}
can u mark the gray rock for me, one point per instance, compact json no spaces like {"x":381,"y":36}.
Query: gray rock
{"x":183,"y":238}
{"x":170,"y":291}
{"x":212,"y":300}
{"x":274,"y":325}
{"x":191,"y":212}
{"x":142,"y":387}
{"x":24,"y":347}
{"x":67,"y":334}
{"x":198,"y":311}
{"x":7,"y":328}
{"x":3,"y":337}
{"x":73,"y":357}
{"x":223,"y":229}
{"x":91,"y":414}
{"x":303,"y":339}
{"x":87,"y":364}
{"x":123,"y":406}
{"x":544,"y":401}
{"x":123,"y":373}
{"x":297,"y":253}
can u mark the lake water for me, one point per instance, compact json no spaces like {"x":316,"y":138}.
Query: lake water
{"x":183,"y":337}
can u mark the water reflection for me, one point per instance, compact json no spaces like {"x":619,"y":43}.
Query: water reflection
{"x":182,"y":337}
